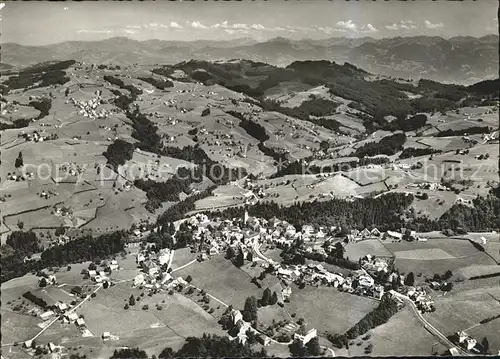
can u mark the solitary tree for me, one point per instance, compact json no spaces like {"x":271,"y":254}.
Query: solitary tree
{"x":313,"y":348}
{"x":239,"y":260}
{"x":42,"y":283}
{"x":266,"y":297}
{"x":230,"y":254}
{"x":250,"y":309}
{"x":274,"y":298}
{"x":19,"y":160}
{"x":410,"y":279}
{"x":486,"y":345}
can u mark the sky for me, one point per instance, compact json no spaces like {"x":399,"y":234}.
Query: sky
{"x":41,"y":23}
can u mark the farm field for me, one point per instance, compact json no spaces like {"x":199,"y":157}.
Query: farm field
{"x":357,"y":250}
{"x":327,"y":309}
{"x":402,"y":335}
{"x":436,"y":256}
{"x":220,"y":278}
{"x":464,"y":309}
{"x":181,"y":257}
{"x":57,"y":182}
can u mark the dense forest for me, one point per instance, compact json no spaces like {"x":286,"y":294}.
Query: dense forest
{"x":253,"y":128}
{"x":466,"y":131}
{"x":387,"y":212}
{"x":41,"y":75}
{"x":300,"y":167}
{"x":24,"y":243}
{"x":383,"y":212}
{"x":159,"y":84}
{"x":416,"y":152}
{"x":79,"y":250}
{"x":119,"y":152}
{"x":134,"y":91}
{"x":411,"y":124}
{"x":483,"y":216}
{"x":179,"y":210}
{"x":43,"y":105}
{"x":388,"y":145}
{"x":212,"y":346}
{"x":170,"y":189}
{"x":213,"y":170}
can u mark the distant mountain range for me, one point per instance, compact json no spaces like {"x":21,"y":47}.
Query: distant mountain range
{"x":462,"y":60}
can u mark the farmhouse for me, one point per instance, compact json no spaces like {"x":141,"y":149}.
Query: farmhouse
{"x":264,"y":340}
{"x":393,"y":235}
{"x":307,"y":337}
{"x":61,"y":306}
{"x":286,"y":292}
{"x":71,"y":317}
{"x":365,"y":233}
{"x":46,"y":315}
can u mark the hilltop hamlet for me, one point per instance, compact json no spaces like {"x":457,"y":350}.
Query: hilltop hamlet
{"x":235,"y":208}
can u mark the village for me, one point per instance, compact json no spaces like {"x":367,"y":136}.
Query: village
{"x":373,"y":276}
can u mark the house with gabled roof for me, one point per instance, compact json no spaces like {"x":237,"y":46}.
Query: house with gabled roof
{"x":365,"y":233}
{"x":375,"y":232}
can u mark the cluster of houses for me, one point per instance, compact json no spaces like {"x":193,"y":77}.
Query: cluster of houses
{"x":468,"y":343}
{"x":89,"y":108}
{"x":359,"y":282}
{"x":19,"y":178}
{"x":421,"y":299}
{"x":155,"y":272}
{"x":32,"y":137}
{"x":429,"y":186}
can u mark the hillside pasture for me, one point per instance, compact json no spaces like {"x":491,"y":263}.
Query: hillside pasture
{"x":436,"y":256}
{"x":327,"y":309}
{"x":402,"y":335}
{"x":463,"y":310}
{"x":374,"y":247}
{"x":364,"y":175}
{"x":220,"y":278}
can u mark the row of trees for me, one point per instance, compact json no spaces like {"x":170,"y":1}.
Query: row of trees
{"x":159,"y":84}
{"x":469,"y":131}
{"x":380,"y":315}
{"x":416,"y":152}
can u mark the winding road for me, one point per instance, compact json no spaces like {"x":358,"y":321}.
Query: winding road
{"x":430,"y":328}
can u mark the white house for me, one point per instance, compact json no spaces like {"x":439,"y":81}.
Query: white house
{"x":236,"y":316}
{"x":71,"y":316}
{"x":139,"y":279}
{"x":61,"y":306}
{"x":394,"y":235}
{"x":46,"y":315}
{"x":286,"y":292}
{"x":366,"y":281}
{"x":471,"y":343}
{"x":306,"y":338}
